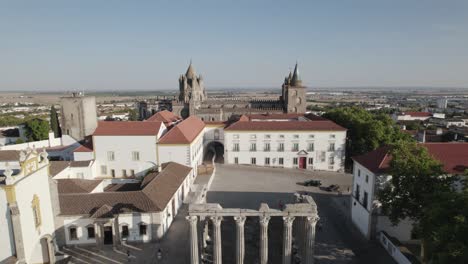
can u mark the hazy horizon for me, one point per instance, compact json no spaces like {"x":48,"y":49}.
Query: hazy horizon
{"x":144,"y":46}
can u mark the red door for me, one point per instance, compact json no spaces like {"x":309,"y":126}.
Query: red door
{"x":302,"y":162}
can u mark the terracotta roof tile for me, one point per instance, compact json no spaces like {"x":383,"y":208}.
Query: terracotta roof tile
{"x":184,"y":132}
{"x":165,"y":116}
{"x":285,"y":126}
{"x":153,"y":195}
{"x":127,"y":128}
{"x":453,"y":156}
{"x":76,"y":185}
{"x":55,"y":167}
{"x":9,"y":155}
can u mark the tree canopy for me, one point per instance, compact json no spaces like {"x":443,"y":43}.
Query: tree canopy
{"x":54,"y":122}
{"x":366,"y":131}
{"x":37,"y":129}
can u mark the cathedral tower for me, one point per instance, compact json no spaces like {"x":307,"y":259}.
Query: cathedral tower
{"x":294,"y":93}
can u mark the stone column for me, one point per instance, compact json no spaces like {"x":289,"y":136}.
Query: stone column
{"x":99,"y":235}
{"x":116,"y":231}
{"x":217,"y":253}
{"x":193,"y":221}
{"x":240,"y":247}
{"x":17,"y":231}
{"x":310,"y":239}
{"x":264,"y":220}
{"x":287,"y":238}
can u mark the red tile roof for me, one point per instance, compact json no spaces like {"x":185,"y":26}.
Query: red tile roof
{"x":325,"y":125}
{"x":418,"y":114}
{"x":184,"y":132}
{"x":86,"y":145}
{"x":153,"y":195}
{"x":164,"y":116}
{"x":127,"y":128}
{"x":453,"y":156}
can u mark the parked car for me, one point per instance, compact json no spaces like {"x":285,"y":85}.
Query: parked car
{"x":332,"y":188}
{"x":314,"y":183}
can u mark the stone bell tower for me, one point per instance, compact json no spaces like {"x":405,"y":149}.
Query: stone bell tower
{"x":294,"y":93}
{"x":191,"y":90}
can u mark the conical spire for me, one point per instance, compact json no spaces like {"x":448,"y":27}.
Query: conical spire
{"x":296,"y":78}
{"x":190,"y":74}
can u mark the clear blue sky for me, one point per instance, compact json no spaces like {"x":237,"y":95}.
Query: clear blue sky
{"x":145,"y":45}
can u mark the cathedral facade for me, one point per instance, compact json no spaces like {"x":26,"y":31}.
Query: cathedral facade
{"x":193,"y":99}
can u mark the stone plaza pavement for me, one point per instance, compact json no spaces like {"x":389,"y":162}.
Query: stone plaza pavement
{"x":337,"y":241}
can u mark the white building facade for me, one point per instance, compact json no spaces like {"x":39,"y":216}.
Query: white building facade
{"x":303,"y":144}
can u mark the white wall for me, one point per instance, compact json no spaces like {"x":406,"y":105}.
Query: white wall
{"x":35,"y":184}
{"x":320,"y":139}
{"x":186,"y":154}
{"x":51,"y":142}
{"x":360,"y":215}
{"x":7,"y":243}
{"x":123,"y":146}
{"x":77,"y":156}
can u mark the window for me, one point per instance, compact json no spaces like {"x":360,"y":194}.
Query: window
{"x":113,"y":173}
{"x":281,"y":136}
{"x":135,"y":155}
{"x":142,"y":229}
{"x":236,"y":160}
{"x":365,"y":198}
{"x":311,"y":160}
{"x":36,"y":208}
{"x":359,"y":173}
{"x":104,"y":170}
{"x":332,"y":136}
{"x":132,"y":173}
{"x":72,"y":233}
{"x":295,"y":147}
{"x":267,"y":161}
{"x":296,"y":136}
{"x":91,"y":233}
{"x":322,"y":156}
{"x":236,"y":136}
{"x":253,"y":146}
{"x":295,"y":161}
{"x":331,"y":160}
{"x":124,"y":173}
{"x":125,"y":231}
{"x":311,"y":136}
{"x":281,"y":147}
{"x":280,"y":161}
{"x":267,"y":147}
{"x":253,"y":136}
{"x":110,"y":156}
{"x":357,"y":192}
{"x":310,"y":147}
{"x":267,"y":136}
{"x":253,"y":161}
{"x":79,"y":175}
{"x":331,"y":147}
{"x":367,"y":178}
{"x":236,"y":147}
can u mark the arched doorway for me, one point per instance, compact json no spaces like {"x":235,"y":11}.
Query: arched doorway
{"x":215,"y":147}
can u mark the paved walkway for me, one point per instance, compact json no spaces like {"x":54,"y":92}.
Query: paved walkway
{"x":336,"y":242}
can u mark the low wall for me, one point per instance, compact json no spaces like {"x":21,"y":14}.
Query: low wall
{"x":398,"y":252}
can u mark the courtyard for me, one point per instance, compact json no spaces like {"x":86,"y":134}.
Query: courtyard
{"x":233,"y":186}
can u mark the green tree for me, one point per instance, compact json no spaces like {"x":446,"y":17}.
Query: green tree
{"x":132,"y":115}
{"x":366,"y":131}
{"x":37,"y":129}
{"x":415,"y":178}
{"x":445,"y":228}
{"x":54,"y":122}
